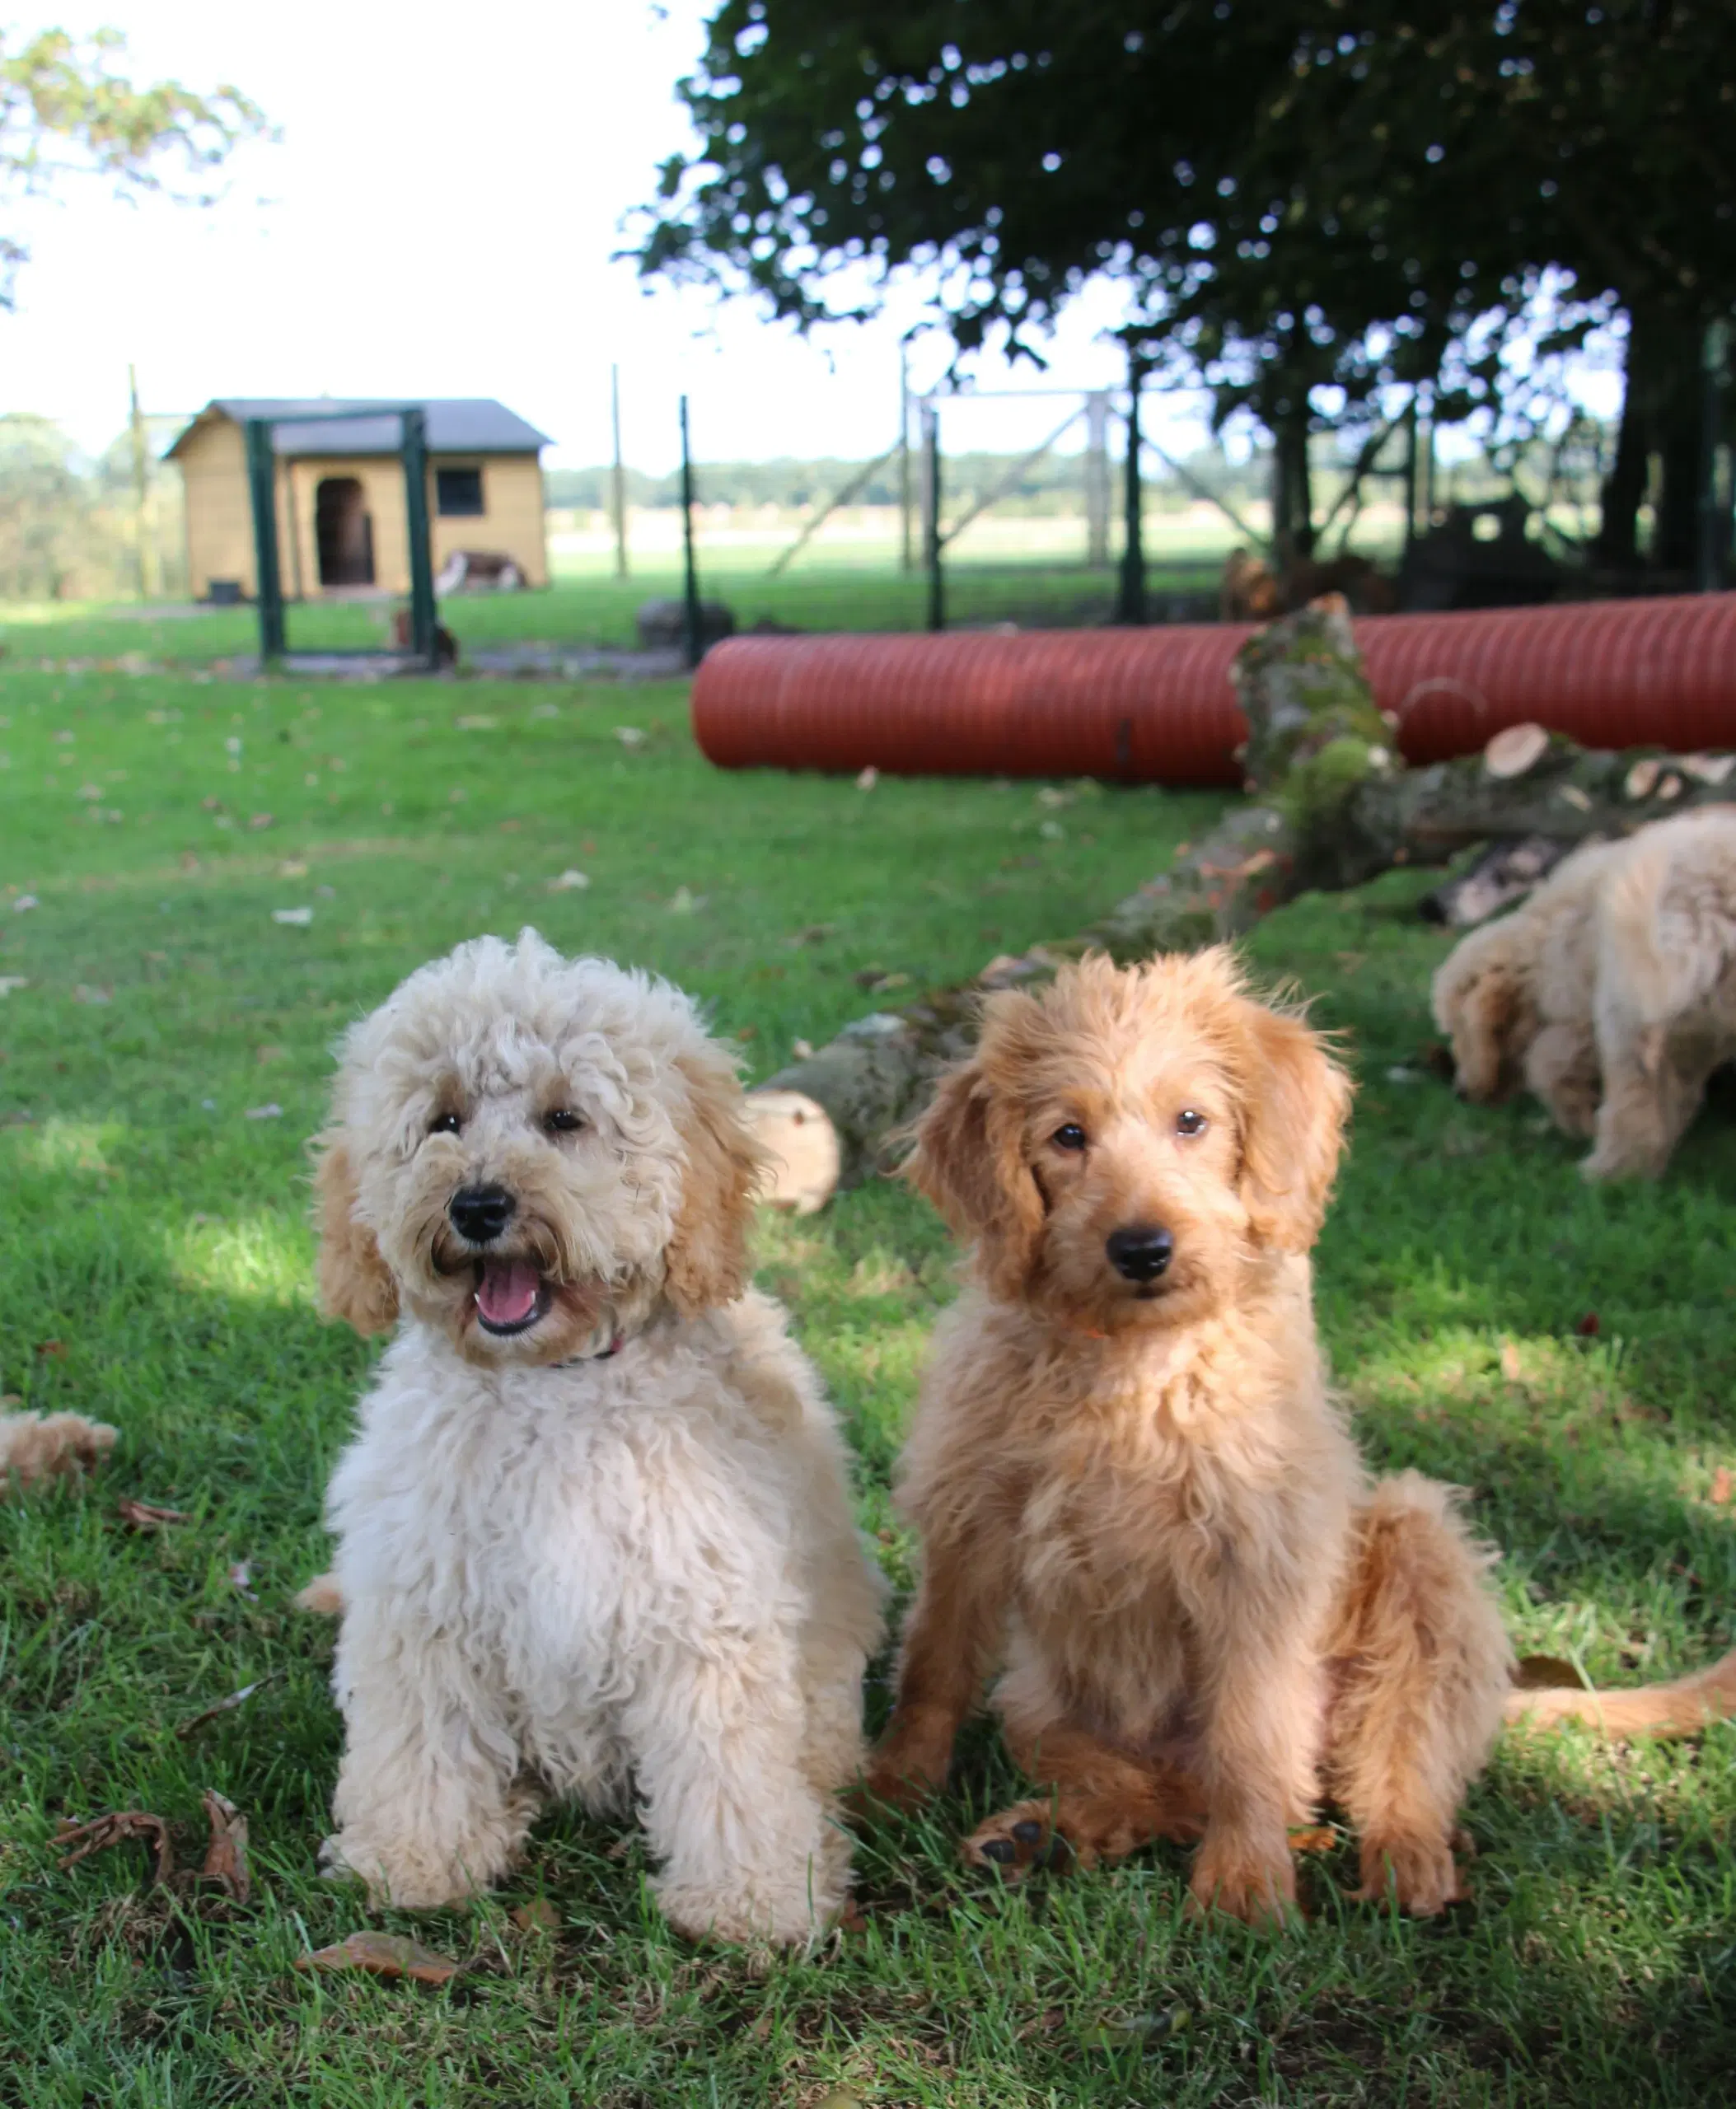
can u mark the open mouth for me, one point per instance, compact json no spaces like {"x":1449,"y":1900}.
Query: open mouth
{"x":511,"y":1296}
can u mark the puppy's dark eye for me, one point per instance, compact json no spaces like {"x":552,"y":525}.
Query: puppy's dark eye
{"x":1070,"y":1136}
{"x":445,"y":1124}
{"x":1190,"y":1121}
{"x":563,"y":1121}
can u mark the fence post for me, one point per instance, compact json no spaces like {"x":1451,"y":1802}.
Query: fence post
{"x":907,"y":540}
{"x":1097,"y":478}
{"x":617,"y":481}
{"x":691,"y":622}
{"x":140,"y":485}
{"x":1714,"y":525}
{"x":931,"y":515}
{"x":424,"y":619}
{"x":1130,"y":600}
{"x":268,"y":583}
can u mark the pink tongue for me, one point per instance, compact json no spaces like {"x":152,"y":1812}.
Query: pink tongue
{"x":508,"y":1291}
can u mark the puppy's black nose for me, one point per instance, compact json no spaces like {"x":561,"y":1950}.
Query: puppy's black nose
{"x":481,"y":1212}
{"x":1141,"y":1251}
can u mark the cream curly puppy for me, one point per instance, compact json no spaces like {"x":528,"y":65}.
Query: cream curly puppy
{"x":594,"y":1536}
{"x":1665,"y":1006}
{"x":1515,"y":997}
{"x":1611,"y":993}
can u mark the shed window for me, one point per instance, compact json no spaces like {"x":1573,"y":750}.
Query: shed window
{"x":458,"y":493}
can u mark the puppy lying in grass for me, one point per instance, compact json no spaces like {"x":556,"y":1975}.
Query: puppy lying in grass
{"x":36,"y":1447}
{"x":1134,"y":1491}
{"x":594,"y":1537}
{"x":1611,"y":993}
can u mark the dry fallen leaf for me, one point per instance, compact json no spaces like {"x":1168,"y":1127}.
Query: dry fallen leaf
{"x":1545,"y":1673}
{"x":1510,"y":1362}
{"x":241,"y":1578}
{"x":1316,"y":1838}
{"x":148,"y":1515}
{"x":50,"y":1350}
{"x":1721,"y":1486}
{"x":385,"y":1955}
{"x":538,"y":1916}
{"x":1589,"y":1327}
{"x":225,"y":1857}
{"x":115,"y":1828}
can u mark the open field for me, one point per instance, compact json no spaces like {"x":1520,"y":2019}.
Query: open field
{"x":162,"y":1059}
{"x":855,"y":588}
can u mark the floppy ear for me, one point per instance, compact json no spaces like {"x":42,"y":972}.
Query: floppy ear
{"x":969,"y":1161}
{"x":708,"y":1262}
{"x":355,"y":1283}
{"x":1298,"y":1100}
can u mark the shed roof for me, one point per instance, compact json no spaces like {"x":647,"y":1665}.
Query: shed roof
{"x":465,"y":424}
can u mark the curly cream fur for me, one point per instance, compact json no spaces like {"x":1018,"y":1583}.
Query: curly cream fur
{"x":1139,"y":1500}
{"x":628,"y":1576}
{"x":1515,"y":997}
{"x":1665,"y":1002}
{"x":1611,"y":993}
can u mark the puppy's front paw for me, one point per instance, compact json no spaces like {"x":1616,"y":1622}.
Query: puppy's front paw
{"x":1022,"y":1839}
{"x":1418,"y":1870}
{"x":909,"y":1769}
{"x":703,"y":1914}
{"x":1258,"y":1888}
{"x":404,"y":1879}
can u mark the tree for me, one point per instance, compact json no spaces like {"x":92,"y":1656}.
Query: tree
{"x":1344,"y":197}
{"x":66,"y":110}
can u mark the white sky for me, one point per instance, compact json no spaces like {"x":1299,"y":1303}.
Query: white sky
{"x":438,"y":220}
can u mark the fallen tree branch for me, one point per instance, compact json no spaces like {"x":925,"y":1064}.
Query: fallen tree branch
{"x":1331,"y":808}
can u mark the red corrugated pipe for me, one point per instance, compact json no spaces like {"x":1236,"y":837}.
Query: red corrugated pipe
{"x":1155,"y":706}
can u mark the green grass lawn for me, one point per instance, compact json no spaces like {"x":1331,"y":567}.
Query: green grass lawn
{"x":161,"y":1068}
{"x":589,"y":607}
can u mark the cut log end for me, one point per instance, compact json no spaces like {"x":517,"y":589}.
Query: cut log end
{"x":1515,"y":751}
{"x":802,"y":1145}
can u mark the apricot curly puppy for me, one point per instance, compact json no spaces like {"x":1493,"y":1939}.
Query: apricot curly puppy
{"x":1611,"y":993}
{"x":594,"y":1536}
{"x":36,"y":1447}
{"x":1134,"y":1491}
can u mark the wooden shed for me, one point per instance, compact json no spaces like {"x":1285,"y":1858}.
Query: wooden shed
{"x":341,"y":525}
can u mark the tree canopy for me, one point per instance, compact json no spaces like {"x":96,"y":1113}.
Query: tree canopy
{"x":67,"y":110}
{"x":1343,"y":195}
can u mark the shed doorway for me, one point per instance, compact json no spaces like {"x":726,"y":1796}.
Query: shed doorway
{"x":343,"y":532}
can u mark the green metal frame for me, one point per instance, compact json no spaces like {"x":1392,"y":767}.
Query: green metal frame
{"x":262,"y":491}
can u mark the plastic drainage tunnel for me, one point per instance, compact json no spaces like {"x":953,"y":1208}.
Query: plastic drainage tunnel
{"x":1156,"y":706}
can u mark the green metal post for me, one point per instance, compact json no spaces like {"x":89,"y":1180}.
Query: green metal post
{"x":1712,"y":535}
{"x":262,"y":489}
{"x":691,"y":627}
{"x":931,"y":519}
{"x":1129,"y":606}
{"x":423,"y":620}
